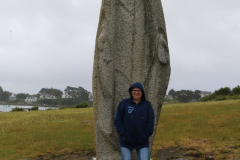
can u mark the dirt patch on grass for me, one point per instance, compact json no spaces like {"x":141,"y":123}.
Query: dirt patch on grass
{"x":164,"y":154}
{"x":169,"y":153}
{"x":68,"y":156}
{"x":178,"y":153}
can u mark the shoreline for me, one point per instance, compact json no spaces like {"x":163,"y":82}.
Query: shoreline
{"x":22,"y":104}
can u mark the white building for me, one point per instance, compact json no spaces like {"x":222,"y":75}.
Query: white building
{"x":47,"y":96}
{"x":26,"y":108}
{"x":65,"y":95}
{"x":12,"y":97}
{"x":90,"y":97}
{"x":31,"y":99}
{"x":204,"y":93}
{"x":169,"y":96}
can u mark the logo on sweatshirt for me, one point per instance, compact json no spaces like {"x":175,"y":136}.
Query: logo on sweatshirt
{"x":130,"y":109}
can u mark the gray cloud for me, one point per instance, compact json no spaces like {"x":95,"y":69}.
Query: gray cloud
{"x":47,"y":44}
{"x":51,"y":43}
{"x":203,"y":41}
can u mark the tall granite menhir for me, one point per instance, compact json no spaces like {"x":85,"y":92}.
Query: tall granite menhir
{"x":131,"y":46}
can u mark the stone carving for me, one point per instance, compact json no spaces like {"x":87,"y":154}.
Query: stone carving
{"x":162,"y":47}
{"x":131,"y":46}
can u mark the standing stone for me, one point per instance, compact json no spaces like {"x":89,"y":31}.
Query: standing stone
{"x":131,"y":46}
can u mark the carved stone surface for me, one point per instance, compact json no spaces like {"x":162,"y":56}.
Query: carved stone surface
{"x":131,"y":46}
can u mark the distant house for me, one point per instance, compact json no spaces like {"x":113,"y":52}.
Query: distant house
{"x":31,"y":99}
{"x":90,"y":97}
{"x":204,"y":93}
{"x":169,"y":96}
{"x":65,"y":95}
{"x":26,"y":108}
{"x":13,"y":97}
{"x":42,"y":96}
{"x":47,"y":96}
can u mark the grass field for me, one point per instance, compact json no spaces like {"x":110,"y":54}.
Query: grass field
{"x":36,"y":133}
{"x":205,"y":128}
{"x":202,"y":128}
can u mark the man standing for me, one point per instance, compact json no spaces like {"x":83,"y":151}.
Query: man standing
{"x":134,"y":122}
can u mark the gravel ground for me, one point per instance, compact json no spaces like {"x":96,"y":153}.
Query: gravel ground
{"x":171,"y":153}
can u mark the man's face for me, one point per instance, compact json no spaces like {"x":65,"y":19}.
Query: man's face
{"x":136,"y":93}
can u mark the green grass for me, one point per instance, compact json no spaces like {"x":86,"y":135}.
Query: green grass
{"x":205,"y":127}
{"x":31,"y":134}
{"x":209,"y":128}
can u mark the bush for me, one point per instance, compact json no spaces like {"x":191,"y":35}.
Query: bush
{"x":205,"y":99}
{"x":220,"y":98}
{"x":17,"y":109}
{"x":35,"y":108}
{"x":214,"y":97}
{"x":223,"y":94}
{"x":82,"y":105}
{"x":211,"y":97}
{"x":235,"y":97}
{"x":62,"y":107}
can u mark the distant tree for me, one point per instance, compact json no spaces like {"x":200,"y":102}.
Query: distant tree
{"x":1,"y":92}
{"x":196,"y":95}
{"x":172,"y":93}
{"x":77,"y":93}
{"x":184,"y":95}
{"x":5,"y":96}
{"x":22,"y":95}
{"x":84,"y":93}
{"x":223,"y":91}
{"x":51,"y":91}
{"x":236,"y":90}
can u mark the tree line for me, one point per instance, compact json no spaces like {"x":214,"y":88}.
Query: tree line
{"x":189,"y":96}
{"x":185,"y":95}
{"x":4,"y":95}
{"x":223,"y":94}
{"x":75,"y":95}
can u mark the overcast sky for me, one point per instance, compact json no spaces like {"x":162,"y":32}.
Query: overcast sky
{"x":50,"y":43}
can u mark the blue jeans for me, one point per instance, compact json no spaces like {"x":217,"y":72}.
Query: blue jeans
{"x":143,"y":153}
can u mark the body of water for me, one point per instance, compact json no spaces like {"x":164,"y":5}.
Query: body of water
{"x":8,"y":108}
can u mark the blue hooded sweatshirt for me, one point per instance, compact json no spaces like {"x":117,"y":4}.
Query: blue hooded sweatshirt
{"x":134,"y":122}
